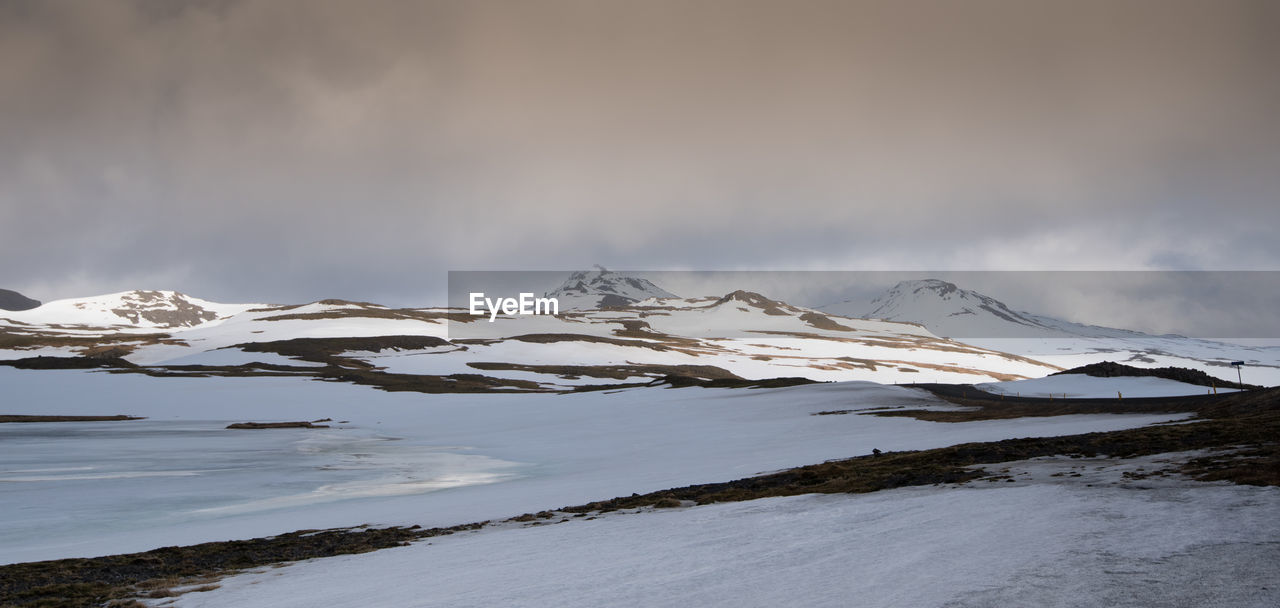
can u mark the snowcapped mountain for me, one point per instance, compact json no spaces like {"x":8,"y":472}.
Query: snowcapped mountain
{"x":12,"y":300}
{"x":951,"y":311}
{"x":600,"y":288}
{"x":129,"y":310}
{"x":980,"y":320}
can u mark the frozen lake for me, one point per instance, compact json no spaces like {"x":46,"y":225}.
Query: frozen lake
{"x":179,"y":477}
{"x":125,"y":476}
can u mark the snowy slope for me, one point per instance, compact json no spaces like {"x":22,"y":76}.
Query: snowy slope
{"x":951,"y":311}
{"x":1046,"y":543}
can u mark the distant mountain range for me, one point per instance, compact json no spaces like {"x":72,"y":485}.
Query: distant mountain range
{"x":12,"y":300}
{"x":612,"y":327}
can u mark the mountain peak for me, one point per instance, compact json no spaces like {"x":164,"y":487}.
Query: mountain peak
{"x":938,"y":286}
{"x":600,"y":288}
{"x":755,"y":300}
{"x":948,"y":309}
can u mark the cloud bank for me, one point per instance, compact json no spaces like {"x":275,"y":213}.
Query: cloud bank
{"x":293,"y":150}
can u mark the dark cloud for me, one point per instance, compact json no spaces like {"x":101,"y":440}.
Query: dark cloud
{"x":292,"y":150}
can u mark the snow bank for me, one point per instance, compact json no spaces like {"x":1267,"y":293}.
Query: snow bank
{"x":1038,"y":545}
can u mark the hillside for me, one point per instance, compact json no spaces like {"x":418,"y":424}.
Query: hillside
{"x":12,"y":300}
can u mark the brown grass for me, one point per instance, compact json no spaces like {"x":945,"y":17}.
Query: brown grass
{"x":95,"y":581}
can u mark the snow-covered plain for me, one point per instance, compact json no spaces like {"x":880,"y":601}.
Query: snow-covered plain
{"x":1091,"y":387}
{"x":1097,"y":540}
{"x":405,"y":458}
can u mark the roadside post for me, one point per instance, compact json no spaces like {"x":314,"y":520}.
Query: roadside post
{"x":1238,"y":365}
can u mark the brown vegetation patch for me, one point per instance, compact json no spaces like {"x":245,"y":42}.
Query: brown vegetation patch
{"x":1258,"y":465}
{"x":94,"y":581}
{"x":822,"y":321}
{"x":907,"y":341}
{"x":553,"y":338}
{"x":640,"y":330}
{"x":1001,"y":376}
{"x":182,"y":314}
{"x":755,"y":300}
{"x":276,"y":308}
{"x":411,"y":314}
{"x":119,"y":343}
{"x":453,"y":383}
{"x":328,"y":350}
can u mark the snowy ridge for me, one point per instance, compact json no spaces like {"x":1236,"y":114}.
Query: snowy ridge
{"x":130,"y":310}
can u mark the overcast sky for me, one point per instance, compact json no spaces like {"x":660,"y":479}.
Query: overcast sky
{"x":290,"y":151}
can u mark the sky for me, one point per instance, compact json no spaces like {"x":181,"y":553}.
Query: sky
{"x":288,"y":151}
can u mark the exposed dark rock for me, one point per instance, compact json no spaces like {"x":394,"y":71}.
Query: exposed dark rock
{"x":12,"y":300}
{"x":67,"y":362}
